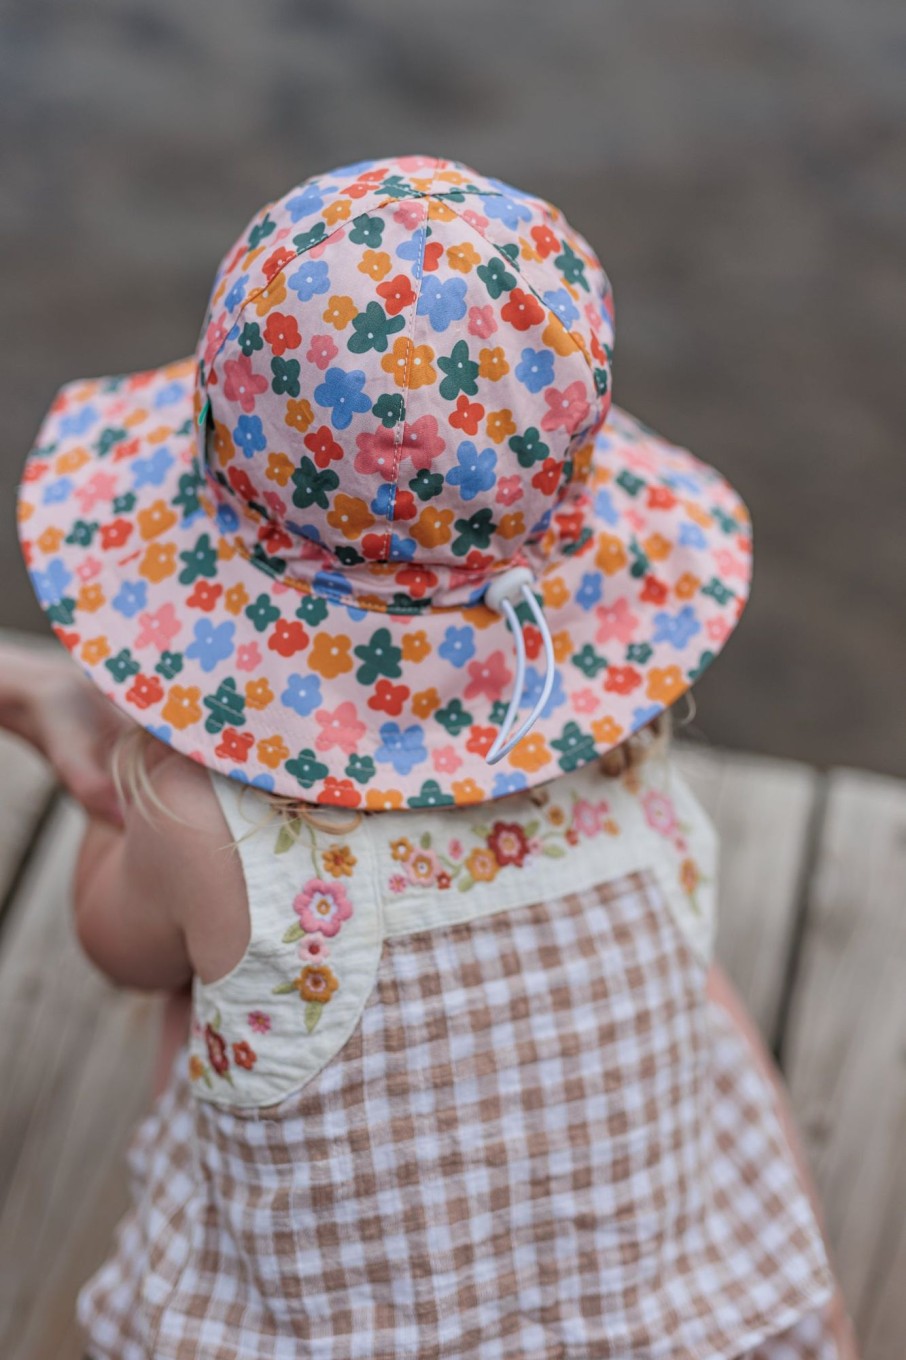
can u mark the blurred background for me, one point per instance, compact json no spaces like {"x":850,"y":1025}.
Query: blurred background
{"x":741,"y":170}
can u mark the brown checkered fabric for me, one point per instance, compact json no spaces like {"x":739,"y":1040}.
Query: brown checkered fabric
{"x":541,"y":1141}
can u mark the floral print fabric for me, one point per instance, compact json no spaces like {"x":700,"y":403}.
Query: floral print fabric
{"x":274,"y":556}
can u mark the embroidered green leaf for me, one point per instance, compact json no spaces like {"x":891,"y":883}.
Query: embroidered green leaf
{"x":465,"y":883}
{"x":532,"y":828}
{"x":482,"y":829}
{"x":283,"y":989}
{"x":287,"y":836}
{"x":313,"y":1014}
{"x":553,"y":850}
{"x":425,"y":840}
{"x":293,"y":933}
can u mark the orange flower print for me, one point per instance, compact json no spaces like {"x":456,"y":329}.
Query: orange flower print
{"x":415,"y":646}
{"x":183,"y":706}
{"x":665,"y":684}
{"x":339,"y":312}
{"x":611,"y":555}
{"x":563,"y":646}
{"x":156,"y":519}
{"x":349,"y":515}
{"x":512,"y":525}
{"x":433,"y":527}
{"x":224,"y":448}
{"x":657,"y":547}
{"x":492,"y":364}
{"x":463,"y":257}
{"x":532,"y":753}
{"x":72,"y":460}
{"x":555,"y":592}
{"x":329,"y":655}
{"x":95,"y":650}
{"x":410,"y":365}
{"x":299,"y":415}
{"x":337,"y":211}
{"x":500,"y":425}
{"x":50,"y":540}
{"x":258,"y":693}
{"x":426,"y":702}
{"x":607,"y":731}
{"x":376,"y":264}
{"x":272,"y":751}
{"x":686,"y":586}
{"x":482,"y":864}
{"x":159,"y":562}
{"x":467,"y":791}
{"x":279,"y":468}
{"x":91,"y":598}
{"x":383,"y":800}
{"x":270,"y":296}
{"x":236,"y":598}
{"x":557,"y":337}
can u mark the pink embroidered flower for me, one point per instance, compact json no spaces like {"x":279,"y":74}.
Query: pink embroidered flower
{"x":322,"y":907}
{"x":321,"y":350}
{"x":158,"y":629}
{"x":455,"y":849}
{"x":422,"y":442}
{"x":314,"y":949}
{"x":508,"y":843}
{"x":588,"y":817}
{"x":445,"y":760}
{"x":248,"y":656}
{"x":259,"y":1021}
{"x":567,"y":409}
{"x":659,"y":812}
{"x":340,"y":726}
{"x":241,"y":383}
{"x":482,"y":321}
{"x":398,"y":883}
{"x":615,"y":621}
{"x":488,"y":678}
{"x":509,"y":489}
{"x":422,"y":867}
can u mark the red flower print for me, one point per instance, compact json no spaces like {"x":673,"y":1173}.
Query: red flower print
{"x":433,"y":253}
{"x":323,"y":445}
{"x":217,"y":1051}
{"x":547,"y":476}
{"x":374,"y":547}
{"x":241,"y":483}
{"x":145,"y":690}
{"x":204,"y":595}
{"x":567,"y":409}
{"x":480,"y":740}
{"x":275,"y":262}
{"x":507,"y":842}
{"x":339,"y":793}
{"x":653,"y":591}
{"x":422,"y":442}
{"x":467,"y":416}
{"x":321,"y":350}
{"x":523,"y":310}
{"x":244,"y":1055}
{"x":415,"y":580}
{"x":241,"y":383}
{"x":282,"y":333}
{"x":660,"y":498}
{"x":116,"y":533}
{"x":404,"y":506}
{"x":397,"y":294}
{"x":274,"y":539}
{"x":622,"y":679}
{"x":488,"y":678}
{"x":545,"y":241}
{"x":389,"y":698}
{"x":234,"y":745}
{"x":288,"y":637}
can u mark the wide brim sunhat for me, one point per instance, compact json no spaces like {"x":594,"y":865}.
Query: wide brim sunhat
{"x":315,"y":555}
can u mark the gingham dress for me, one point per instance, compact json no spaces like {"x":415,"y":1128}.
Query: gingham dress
{"x":466,"y":1097}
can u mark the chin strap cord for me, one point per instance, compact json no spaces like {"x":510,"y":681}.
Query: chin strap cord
{"x":517,"y":584}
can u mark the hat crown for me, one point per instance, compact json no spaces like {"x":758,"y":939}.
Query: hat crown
{"x":406,"y":363}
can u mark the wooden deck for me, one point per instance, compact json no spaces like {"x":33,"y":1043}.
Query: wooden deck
{"x":813,"y":931}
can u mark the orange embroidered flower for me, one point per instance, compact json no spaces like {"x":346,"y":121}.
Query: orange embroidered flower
{"x":339,"y":861}
{"x":329,"y":655}
{"x":279,"y":468}
{"x":95,"y":650}
{"x":317,"y":982}
{"x":156,"y":519}
{"x":532,"y":753}
{"x":258,"y":693}
{"x":270,"y":296}
{"x":159,"y":562}
{"x":349,"y":515}
{"x":690,"y":876}
{"x":376,"y":264}
{"x":183,"y":706}
{"x":611,"y":555}
{"x":482,"y":864}
{"x":415,"y":646}
{"x":272,"y":751}
{"x":410,"y":365}
{"x":500,"y":425}
{"x":91,"y":598}
{"x":555,"y":815}
{"x":197,"y":1068}
{"x":339,"y":312}
{"x":236,"y":598}
{"x":426,"y":702}
{"x":299,"y":415}
{"x":400,"y":850}
{"x":463,"y":257}
{"x":432,"y":527}
{"x":383,"y":800}
{"x":665,"y":683}
{"x":492,"y":364}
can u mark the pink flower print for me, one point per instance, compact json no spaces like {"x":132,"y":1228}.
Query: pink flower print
{"x":248,"y":656}
{"x":445,"y":760}
{"x":568,"y":408}
{"x":158,"y":629}
{"x":339,"y":727}
{"x":482,"y":321}
{"x":718,"y":630}
{"x":322,"y":907}
{"x":88,"y":570}
{"x":422,"y":442}
{"x":730,"y":565}
{"x":409,"y":215}
{"x":585,"y":700}
{"x":615,"y":621}
{"x":635,"y":519}
{"x":314,"y":949}
{"x":100,"y":487}
{"x":259,"y":1021}
{"x":488,"y":678}
{"x":476,"y":220}
{"x":509,"y":489}
{"x":215,"y":337}
{"x":321,"y":350}
{"x":588,"y":817}
{"x":377,"y":454}
{"x":241,"y":383}
{"x":659,"y":812}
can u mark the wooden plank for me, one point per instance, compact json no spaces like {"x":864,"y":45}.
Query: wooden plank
{"x":26,"y":785}
{"x":75,"y":1058}
{"x":845,"y":1048}
{"x":764,"y":811}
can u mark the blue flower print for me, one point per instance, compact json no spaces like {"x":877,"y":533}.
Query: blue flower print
{"x":57,"y":491}
{"x":131,"y":598}
{"x":458,"y":646}
{"x":169,"y":395}
{"x":414,"y":250}
{"x":403,"y":749}
{"x":79,"y":422}
{"x":227,"y":519}
{"x":642,"y":716}
{"x":302,"y":694}
{"x":676,"y":629}
{"x":151,"y":471}
{"x":562,"y":305}
{"x":310,"y":278}
{"x":475,"y":472}
{"x":236,"y":294}
{"x":401,"y":549}
{"x":442,"y":301}
{"x":213,"y":643}
{"x":303,"y":205}
{"x":50,"y":584}
{"x":605,"y":509}
{"x":248,"y":435}
{"x":692,"y":536}
{"x":163,"y":732}
{"x":534,"y":680}
{"x":504,"y":209}
{"x":508,"y":781}
{"x":590,"y":591}
{"x":342,"y":392}
{"x":536,"y":369}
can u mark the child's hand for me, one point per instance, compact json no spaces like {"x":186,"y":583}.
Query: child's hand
{"x":45,"y":699}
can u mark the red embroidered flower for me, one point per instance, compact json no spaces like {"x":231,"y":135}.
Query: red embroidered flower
{"x":508,"y":843}
{"x":217,"y":1051}
{"x":244,"y":1055}
{"x":288,"y":637}
{"x":145,"y":690}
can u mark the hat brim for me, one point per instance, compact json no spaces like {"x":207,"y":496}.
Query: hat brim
{"x":316,"y":699}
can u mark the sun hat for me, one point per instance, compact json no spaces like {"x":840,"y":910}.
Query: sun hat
{"x":386,"y":524}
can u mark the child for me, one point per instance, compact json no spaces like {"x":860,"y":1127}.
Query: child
{"x":413,"y":598}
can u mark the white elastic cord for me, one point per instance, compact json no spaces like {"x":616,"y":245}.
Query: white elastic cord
{"x":501,"y":745}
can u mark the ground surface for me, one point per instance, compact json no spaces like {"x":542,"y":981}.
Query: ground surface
{"x":740,"y":168}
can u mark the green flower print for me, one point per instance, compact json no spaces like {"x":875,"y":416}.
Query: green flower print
{"x":426,"y":484}
{"x":474,"y":532}
{"x":82,"y":533}
{"x":718,"y":591}
{"x":306,"y":239}
{"x":496,"y":277}
{"x":125,"y":504}
{"x":307,"y":768}
{"x":312,"y":610}
{"x":367,"y":231}
{"x":261,"y":230}
{"x":529,"y":448}
{"x":577,"y":747}
{"x":390,"y":408}
{"x":312,"y":487}
{"x":630,"y":483}
{"x":225,"y":708}
{"x":379,"y":656}
{"x":201,"y":560}
{"x":187,"y":496}
{"x":262,"y":613}
{"x":454,"y":717}
{"x":169,"y":665}
{"x":372,"y":329}
{"x":430,"y":795}
{"x":461,"y":371}
{"x":361,"y":769}
{"x":250,"y":339}
{"x":589,"y":662}
{"x":639,"y":652}
{"x":286,"y":377}
{"x":122,"y":666}
{"x":572,"y":268}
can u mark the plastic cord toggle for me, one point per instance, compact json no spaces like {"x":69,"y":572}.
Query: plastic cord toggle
{"x":516,"y":584}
